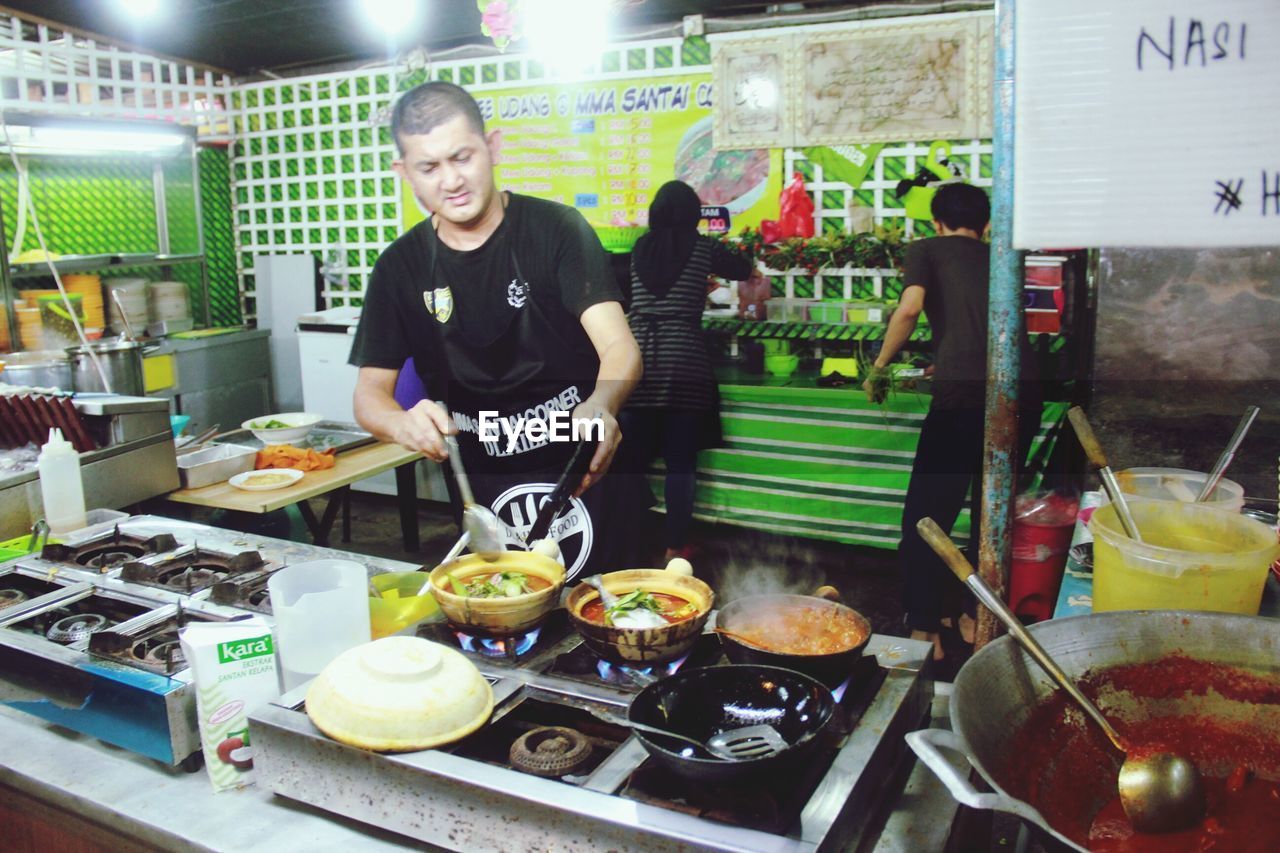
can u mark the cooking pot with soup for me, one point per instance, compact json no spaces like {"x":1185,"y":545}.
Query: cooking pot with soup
{"x":503,"y":598}
{"x":1204,"y":685}
{"x":684,"y":602}
{"x":820,"y":638}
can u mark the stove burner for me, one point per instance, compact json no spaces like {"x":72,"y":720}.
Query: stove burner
{"x":194,"y":577}
{"x":490,"y":647}
{"x":11,"y":597}
{"x":70,"y":629}
{"x":109,"y":556}
{"x":550,"y":751}
{"x":166,"y":653}
{"x":643,"y":676}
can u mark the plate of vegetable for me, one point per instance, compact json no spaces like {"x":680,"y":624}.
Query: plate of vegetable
{"x":283,"y":428}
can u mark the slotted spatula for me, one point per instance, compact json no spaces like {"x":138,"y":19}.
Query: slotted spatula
{"x":733,"y":745}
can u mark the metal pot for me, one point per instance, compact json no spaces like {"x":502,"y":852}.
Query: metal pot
{"x":40,"y":369}
{"x":998,"y":688}
{"x":121,"y":362}
{"x":705,"y":701}
{"x":742,"y":614}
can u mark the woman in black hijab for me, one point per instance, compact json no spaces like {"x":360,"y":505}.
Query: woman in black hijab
{"x":674,"y":411}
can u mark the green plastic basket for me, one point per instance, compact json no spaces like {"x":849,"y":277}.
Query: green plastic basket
{"x":617,"y":238}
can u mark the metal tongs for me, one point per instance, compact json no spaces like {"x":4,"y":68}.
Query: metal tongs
{"x":188,"y":444}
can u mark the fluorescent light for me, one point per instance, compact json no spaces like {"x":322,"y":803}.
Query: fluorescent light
{"x":567,"y":35}
{"x":139,"y":9}
{"x":390,"y":17}
{"x":79,"y":140}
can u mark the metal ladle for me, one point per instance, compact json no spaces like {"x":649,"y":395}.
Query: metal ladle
{"x":1220,"y":467}
{"x":124,"y":317}
{"x":1160,"y":791}
{"x":638,"y":618}
{"x":1098,"y":459}
{"x":479,"y":521}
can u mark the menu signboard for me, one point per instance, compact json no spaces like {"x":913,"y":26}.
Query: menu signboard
{"x":605,"y":147}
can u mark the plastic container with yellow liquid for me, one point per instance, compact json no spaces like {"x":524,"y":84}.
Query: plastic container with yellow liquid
{"x":1192,"y":557}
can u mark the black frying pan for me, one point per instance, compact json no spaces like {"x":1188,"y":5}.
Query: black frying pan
{"x":705,"y":701}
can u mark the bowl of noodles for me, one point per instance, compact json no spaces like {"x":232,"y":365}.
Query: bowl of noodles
{"x":735,"y":179}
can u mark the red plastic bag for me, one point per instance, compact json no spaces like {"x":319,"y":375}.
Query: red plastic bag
{"x":796,"y":218}
{"x":769,"y":231}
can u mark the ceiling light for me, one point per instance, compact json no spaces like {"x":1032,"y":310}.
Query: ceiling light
{"x":390,"y":17}
{"x":50,"y":135}
{"x":566,"y":34}
{"x":139,"y":9}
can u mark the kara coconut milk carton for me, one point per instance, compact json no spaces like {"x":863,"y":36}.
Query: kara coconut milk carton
{"x":234,"y":665}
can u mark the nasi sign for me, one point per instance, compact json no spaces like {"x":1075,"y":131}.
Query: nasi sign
{"x":1144,"y":123}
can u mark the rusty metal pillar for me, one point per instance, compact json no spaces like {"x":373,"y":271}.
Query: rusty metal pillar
{"x":1005,"y":329}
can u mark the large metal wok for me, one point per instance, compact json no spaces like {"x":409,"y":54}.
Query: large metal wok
{"x":996,"y":691}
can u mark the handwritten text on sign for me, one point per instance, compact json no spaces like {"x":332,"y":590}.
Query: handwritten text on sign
{"x":1147,"y":123}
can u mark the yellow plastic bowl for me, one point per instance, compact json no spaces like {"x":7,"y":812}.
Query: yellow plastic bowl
{"x":399,"y":607}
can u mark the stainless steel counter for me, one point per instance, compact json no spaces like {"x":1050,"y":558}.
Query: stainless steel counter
{"x":168,"y":808}
{"x":179,"y":811}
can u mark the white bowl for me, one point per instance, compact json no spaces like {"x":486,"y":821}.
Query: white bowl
{"x":248,"y":479}
{"x":399,"y":694}
{"x":299,"y":427}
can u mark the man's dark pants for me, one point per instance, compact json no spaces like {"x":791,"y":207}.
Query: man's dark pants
{"x":948,"y":465}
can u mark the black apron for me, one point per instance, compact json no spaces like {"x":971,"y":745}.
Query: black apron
{"x":529,"y":367}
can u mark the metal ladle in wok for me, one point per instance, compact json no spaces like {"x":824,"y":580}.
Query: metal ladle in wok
{"x":1160,"y":791}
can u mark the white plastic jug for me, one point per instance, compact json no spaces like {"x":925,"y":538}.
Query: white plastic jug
{"x":321,"y":609}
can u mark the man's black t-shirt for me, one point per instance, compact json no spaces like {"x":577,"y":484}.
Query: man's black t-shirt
{"x":954,"y":272}
{"x":542,"y":250}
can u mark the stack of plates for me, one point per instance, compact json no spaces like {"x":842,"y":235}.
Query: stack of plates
{"x":30,"y":332}
{"x":90,"y":289}
{"x":167,"y":300}
{"x":133,"y":295}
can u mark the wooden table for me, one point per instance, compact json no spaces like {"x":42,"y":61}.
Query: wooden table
{"x":335,"y":482}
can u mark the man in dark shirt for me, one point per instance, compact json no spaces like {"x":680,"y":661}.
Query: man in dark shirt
{"x":511,"y":314}
{"x":947,"y":277}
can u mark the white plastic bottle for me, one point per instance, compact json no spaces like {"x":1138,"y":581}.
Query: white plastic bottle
{"x":60,"y":485}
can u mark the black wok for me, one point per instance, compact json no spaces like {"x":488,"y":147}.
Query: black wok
{"x":705,"y":701}
{"x":741,"y":615}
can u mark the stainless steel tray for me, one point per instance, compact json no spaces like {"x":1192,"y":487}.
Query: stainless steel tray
{"x":216,"y":464}
{"x":327,"y":434}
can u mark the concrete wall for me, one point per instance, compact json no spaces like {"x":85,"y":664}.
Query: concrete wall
{"x":1186,"y":339}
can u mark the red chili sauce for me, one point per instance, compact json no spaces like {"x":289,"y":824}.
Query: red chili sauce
{"x":1065,"y":767}
{"x":593,"y":610}
{"x":1243,"y":816}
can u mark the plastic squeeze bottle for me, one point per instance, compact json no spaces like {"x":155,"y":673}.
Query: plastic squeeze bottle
{"x":60,"y":485}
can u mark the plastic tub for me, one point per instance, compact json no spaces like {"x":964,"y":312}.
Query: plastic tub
{"x":1178,"y":484}
{"x":1192,"y":557}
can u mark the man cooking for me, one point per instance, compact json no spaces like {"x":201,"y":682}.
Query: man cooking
{"x":947,"y":276}
{"x":507,"y":305}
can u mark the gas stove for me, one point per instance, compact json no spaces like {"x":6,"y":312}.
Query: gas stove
{"x":89,"y":628}
{"x":545,"y":770}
